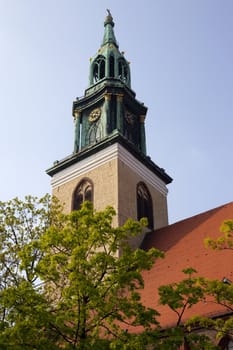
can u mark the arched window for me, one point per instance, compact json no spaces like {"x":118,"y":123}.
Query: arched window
{"x":82,"y":193}
{"x":99,"y":69}
{"x":102,"y":68}
{"x":226,"y":343}
{"x":122,"y":70}
{"x":94,"y":133}
{"x":144,"y":204}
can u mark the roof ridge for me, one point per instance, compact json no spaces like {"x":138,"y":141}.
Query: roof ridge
{"x":194,"y":216}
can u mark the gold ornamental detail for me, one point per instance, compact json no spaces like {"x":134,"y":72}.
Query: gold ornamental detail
{"x":107,"y":96}
{"x":94,"y":115}
{"x":77,"y":114}
{"x":142,"y":118}
{"x":119,"y":97}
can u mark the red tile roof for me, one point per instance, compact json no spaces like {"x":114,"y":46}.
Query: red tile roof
{"x":183,"y":245}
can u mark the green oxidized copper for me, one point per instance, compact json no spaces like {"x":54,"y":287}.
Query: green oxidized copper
{"x":109,"y":36}
{"x":109,"y":106}
{"x":109,"y":62}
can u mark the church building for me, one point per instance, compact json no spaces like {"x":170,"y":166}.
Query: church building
{"x":109,"y":165}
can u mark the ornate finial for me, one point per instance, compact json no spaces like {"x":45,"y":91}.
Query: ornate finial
{"x":109,"y":19}
{"x":109,"y":13}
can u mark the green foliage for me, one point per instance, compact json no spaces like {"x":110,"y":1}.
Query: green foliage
{"x":197,"y":341}
{"x":23,"y":309}
{"x":63,"y":281}
{"x":93,"y":289}
{"x":21,"y":225}
{"x":221,"y":293}
{"x":182,"y":295}
{"x":225,"y":241}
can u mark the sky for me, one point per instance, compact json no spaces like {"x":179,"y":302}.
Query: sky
{"x":181,"y":59}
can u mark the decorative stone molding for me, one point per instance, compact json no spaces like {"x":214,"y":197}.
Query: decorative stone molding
{"x":115,"y":151}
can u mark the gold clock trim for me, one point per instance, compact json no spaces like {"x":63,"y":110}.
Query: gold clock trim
{"x":94,"y":115}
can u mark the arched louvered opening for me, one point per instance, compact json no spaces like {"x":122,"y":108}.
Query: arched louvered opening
{"x":122,"y":70}
{"x":82,"y":193}
{"x":144,"y":204}
{"x":99,"y":69}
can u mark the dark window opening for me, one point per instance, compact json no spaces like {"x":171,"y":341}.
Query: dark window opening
{"x":122,"y":71}
{"x":111,"y":66}
{"x":144,"y":204}
{"x":95,"y":73}
{"x":82,"y":193}
{"x":99,"y":69}
{"x":226,"y":343}
{"x":102,"y":69}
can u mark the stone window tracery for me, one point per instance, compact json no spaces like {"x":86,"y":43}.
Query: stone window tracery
{"x":144,"y":204}
{"x":82,"y":193}
{"x":99,"y":69}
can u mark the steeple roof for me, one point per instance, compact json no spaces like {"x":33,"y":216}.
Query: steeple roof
{"x":109,"y":36}
{"x":109,"y":62}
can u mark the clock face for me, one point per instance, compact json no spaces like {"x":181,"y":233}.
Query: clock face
{"x":94,"y":115}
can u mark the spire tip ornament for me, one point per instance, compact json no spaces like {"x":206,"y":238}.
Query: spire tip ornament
{"x":109,"y":13}
{"x":109,"y":18}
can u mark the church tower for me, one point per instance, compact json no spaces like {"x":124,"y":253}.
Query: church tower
{"x":109,"y":164}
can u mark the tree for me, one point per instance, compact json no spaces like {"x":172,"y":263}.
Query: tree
{"x":225,"y":241}
{"x":179,"y":297}
{"x":22,"y":306}
{"x":64,"y":285}
{"x":220,"y":292}
{"x":63,"y":282}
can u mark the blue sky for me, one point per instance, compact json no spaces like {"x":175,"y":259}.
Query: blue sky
{"x":181,"y":54}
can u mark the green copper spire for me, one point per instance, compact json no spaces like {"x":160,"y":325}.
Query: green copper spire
{"x":109,"y":108}
{"x":109,"y":62}
{"x":109,"y":36}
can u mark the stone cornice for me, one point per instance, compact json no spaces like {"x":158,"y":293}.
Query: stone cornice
{"x":114,"y":151}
